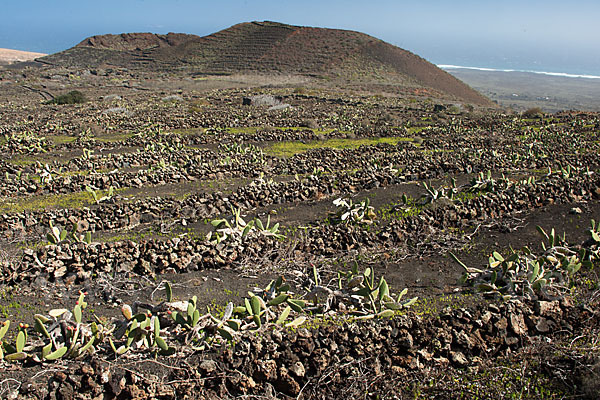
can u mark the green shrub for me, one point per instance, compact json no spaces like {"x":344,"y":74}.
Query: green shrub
{"x":300,"y":90}
{"x":73,"y":97}
{"x":534,"y":112}
{"x":454,"y":109}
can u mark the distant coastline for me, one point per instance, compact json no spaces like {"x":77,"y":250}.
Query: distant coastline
{"x":9,"y":56}
{"x":521,"y":90}
{"x":558,"y":74}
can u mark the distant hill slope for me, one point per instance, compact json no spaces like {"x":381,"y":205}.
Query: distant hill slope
{"x":8,"y":56}
{"x":135,"y":41}
{"x":268,"y":47}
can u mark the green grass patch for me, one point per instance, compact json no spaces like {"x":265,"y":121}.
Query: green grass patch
{"x":466,"y":196}
{"x":195,"y":131}
{"x":61,"y":139}
{"x":413,"y":130}
{"x":399,"y":210}
{"x":315,"y":131}
{"x":243,"y":129}
{"x":11,"y":305}
{"x":288,"y":149}
{"x":22,"y":161}
{"x":535,"y":128}
{"x":433,"y":151}
{"x":255,"y":129}
{"x":53,"y":201}
{"x":26,"y":160}
{"x":433,"y":306}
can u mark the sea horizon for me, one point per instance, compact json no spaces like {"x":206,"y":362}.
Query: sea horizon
{"x":549,"y":73}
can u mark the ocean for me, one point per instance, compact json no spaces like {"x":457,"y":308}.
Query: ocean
{"x":560,"y":74}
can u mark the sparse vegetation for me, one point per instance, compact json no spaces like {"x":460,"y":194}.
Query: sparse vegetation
{"x":288,"y":149}
{"x":73,"y":97}
{"x":243,"y":251}
{"x":534,"y":112}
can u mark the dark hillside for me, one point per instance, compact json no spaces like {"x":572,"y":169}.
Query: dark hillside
{"x":266,"y":48}
{"x":135,"y":41}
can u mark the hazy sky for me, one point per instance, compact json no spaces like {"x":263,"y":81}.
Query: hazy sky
{"x":548,"y":35}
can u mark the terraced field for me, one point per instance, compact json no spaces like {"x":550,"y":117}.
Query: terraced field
{"x":188,"y":246}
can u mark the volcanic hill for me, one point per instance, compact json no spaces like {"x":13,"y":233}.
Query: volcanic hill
{"x":269,"y":47}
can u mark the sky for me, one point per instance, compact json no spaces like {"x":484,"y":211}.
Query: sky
{"x":551,"y":35}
